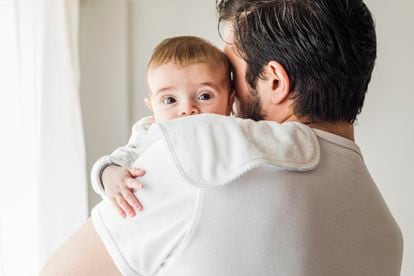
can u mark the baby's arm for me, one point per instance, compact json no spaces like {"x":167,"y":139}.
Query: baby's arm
{"x":112,"y":176}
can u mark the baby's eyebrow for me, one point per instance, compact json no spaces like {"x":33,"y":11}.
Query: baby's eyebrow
{"x":209,"y":83}
{"x":163,"y":89}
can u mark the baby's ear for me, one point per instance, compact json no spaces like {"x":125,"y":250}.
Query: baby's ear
{"x":231,"y":101}
{"x":148,"y":103}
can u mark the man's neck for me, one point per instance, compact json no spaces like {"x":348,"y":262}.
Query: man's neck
{"x":343,"y":129}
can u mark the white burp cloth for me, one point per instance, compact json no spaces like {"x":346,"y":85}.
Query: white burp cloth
{"x":212,"y":150}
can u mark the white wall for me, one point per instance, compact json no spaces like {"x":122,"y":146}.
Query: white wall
{"x":104,"y":78}
{"x":384,"y":131}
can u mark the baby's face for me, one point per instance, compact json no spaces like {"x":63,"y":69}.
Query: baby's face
{"x":177,"y":91}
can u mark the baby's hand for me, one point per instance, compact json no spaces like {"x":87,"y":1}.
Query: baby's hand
{"x":119,"y":183}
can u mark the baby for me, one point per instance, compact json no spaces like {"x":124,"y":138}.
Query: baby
{"x":186,"y":76}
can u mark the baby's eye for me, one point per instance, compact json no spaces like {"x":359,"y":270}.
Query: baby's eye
{"x":205,"y":97}
{"x":168,"y":100}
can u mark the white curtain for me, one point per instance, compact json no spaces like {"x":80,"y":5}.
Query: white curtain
{"x":43,"y":184}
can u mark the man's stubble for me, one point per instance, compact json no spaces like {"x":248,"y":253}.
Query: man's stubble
{"x":250,"y":108}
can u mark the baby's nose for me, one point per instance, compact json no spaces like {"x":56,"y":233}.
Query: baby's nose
{"x":189,"y":109}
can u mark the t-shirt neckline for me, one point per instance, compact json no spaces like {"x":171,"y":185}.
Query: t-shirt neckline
{"x":338,"y":140}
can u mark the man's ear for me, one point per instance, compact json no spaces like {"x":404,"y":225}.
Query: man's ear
{"x":278,"y":82}
{"x":148,"y":103}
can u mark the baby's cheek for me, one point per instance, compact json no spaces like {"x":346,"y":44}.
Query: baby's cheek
{"x":221,"y":109}
{"x":164,"y":114}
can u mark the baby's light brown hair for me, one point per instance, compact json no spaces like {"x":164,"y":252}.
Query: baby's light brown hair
{"x":186,"y":50}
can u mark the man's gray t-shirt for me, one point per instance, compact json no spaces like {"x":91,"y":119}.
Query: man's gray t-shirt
{"x":307,"y":208}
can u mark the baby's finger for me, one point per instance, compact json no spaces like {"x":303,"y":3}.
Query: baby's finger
{"x":131,"y":199}
{"x":135,"y":172}
{"x":120,"y":211}
{"x":124,"y":205}
{"x":134,"y":183}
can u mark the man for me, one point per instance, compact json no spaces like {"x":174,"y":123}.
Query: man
{"x":309,"y":210}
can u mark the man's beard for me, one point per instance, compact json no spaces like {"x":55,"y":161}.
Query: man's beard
{"x":251,"y":108}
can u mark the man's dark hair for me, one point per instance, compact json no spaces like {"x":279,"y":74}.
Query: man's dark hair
{"x":327,"y":47}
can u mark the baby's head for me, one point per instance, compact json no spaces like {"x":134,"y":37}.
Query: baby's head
{"x":186,"y":76}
